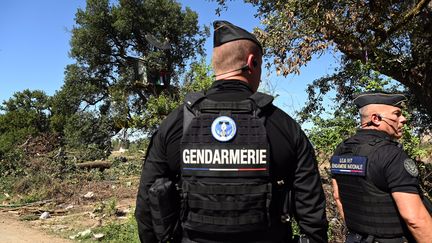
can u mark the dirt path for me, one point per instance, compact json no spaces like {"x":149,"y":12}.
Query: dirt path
{"x":14,"y":231}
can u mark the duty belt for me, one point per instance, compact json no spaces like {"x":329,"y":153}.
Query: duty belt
{"x":353,"y":237}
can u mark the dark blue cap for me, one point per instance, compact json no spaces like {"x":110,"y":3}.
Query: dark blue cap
{"x":367,"y":98}
{"x":225,"y":32}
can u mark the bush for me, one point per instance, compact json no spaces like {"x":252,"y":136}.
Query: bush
{"x":13,"y":163}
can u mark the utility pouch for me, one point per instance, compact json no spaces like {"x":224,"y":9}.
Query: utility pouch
{"x":165,"y":208}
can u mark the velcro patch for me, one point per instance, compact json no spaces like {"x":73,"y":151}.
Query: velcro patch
{"x":411,"y":167}
{"x":349,"y":165}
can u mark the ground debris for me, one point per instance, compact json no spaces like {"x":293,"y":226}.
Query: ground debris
{"x":45,"y":215}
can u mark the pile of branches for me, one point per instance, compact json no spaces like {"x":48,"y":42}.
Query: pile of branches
{"x":41,"y":144}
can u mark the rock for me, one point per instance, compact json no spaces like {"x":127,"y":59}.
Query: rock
{"x":85,"y":233}
{"x":82,"y":234}
{"x":98,"y":236}
{"x":45,"y":215}
{"x":92,"y":215}
{"x":89,"y":195}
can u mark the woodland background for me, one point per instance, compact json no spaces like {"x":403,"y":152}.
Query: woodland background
{"x":136,"y":60}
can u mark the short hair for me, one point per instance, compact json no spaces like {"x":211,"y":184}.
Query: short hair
{"x":364,"y":112}
{"x":233,"y":55}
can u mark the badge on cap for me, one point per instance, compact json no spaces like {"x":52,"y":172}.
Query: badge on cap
{"x":223,"y":128}
{"x":411,"y":167}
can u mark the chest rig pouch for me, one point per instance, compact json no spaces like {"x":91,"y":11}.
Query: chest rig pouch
{"x":225,"y":165}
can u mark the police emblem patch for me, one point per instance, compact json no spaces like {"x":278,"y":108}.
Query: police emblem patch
{"x":411,"y":167}
{"x":223,"y":128}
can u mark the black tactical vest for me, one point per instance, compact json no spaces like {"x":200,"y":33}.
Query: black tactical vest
{"x":368,"y":210}
{"x":225,"y":165}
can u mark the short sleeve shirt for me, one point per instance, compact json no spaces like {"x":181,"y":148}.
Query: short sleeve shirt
{"x":390,"y":168}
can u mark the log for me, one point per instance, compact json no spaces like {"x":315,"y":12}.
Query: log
{"x":99,"y":164}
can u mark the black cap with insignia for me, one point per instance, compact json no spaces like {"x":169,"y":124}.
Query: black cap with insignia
{"x":225,"y":32}
{"x":367,"y":98}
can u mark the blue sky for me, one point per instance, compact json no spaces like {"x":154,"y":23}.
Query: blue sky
{"x":35,"y":37}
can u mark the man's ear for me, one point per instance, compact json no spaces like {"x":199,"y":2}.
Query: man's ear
{"x":252,"y":62}
{"x":376,"y":119}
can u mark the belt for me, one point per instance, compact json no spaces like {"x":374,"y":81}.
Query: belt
{"x":353,"y":237}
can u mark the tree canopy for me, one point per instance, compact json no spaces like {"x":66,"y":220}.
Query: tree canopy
{"x":393,"y":38}
{"x":117,"y":46}
{"x":26,"y":113}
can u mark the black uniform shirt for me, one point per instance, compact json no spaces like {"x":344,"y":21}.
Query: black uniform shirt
{"x":292,"y":160}
{"x":387,"y":172}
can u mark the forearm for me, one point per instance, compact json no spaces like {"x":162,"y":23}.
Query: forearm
{"x":414,"y":213}
{"x":340,"y":209}
{"x":337,"y":199}
{"x":421,"y":228}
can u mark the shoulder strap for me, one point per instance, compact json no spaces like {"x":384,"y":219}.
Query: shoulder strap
{"x":370,"y":147}
{"x":189,"y":110}
{"x":192,"y":98}
{"x":261,"y":100}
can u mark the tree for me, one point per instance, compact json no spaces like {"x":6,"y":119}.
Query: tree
{"x":392,"y":37}
{"x":26,"y":113}
{"x":89,"y":132}
{"x":122,"y":51}
{"x":197,"y":78}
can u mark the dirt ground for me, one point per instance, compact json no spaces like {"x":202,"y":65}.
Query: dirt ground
{"x":14,"y":231}
{"x":70,"y":216}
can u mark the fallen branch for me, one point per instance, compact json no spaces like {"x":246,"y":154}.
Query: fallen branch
{"x":12,"y":206}
{"x":101,"y":165}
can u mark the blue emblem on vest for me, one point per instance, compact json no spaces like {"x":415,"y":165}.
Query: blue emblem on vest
{"x":223,"y":128}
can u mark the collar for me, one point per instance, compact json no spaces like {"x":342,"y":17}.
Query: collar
{"x":230,"y":84}
{"x":375,"y":133}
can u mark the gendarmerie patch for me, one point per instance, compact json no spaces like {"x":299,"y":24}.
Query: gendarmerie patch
{"x":349,"y":165}
{"x":223,"y":128}
{"x":411,"y":167}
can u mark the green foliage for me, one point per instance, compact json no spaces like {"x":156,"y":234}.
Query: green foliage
{"x":327,"y":134}
{"x":114,"y":46}
{"x":28,"y":217}
{"x":411,"y":143}
{"x":121,"y":232}
{"x":66,"y":101}
{"x":199,"y":77}
{"x":13,"y":164}
{"x":394,"y":37}
{"x":107,"y":207}
{"x":158,"y":107}
{"x":350,"y":79}
{"x":89,"y":132}
{"x":137,"y":145}
{"x":25,"y":114}
{"x":128,"y":168}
